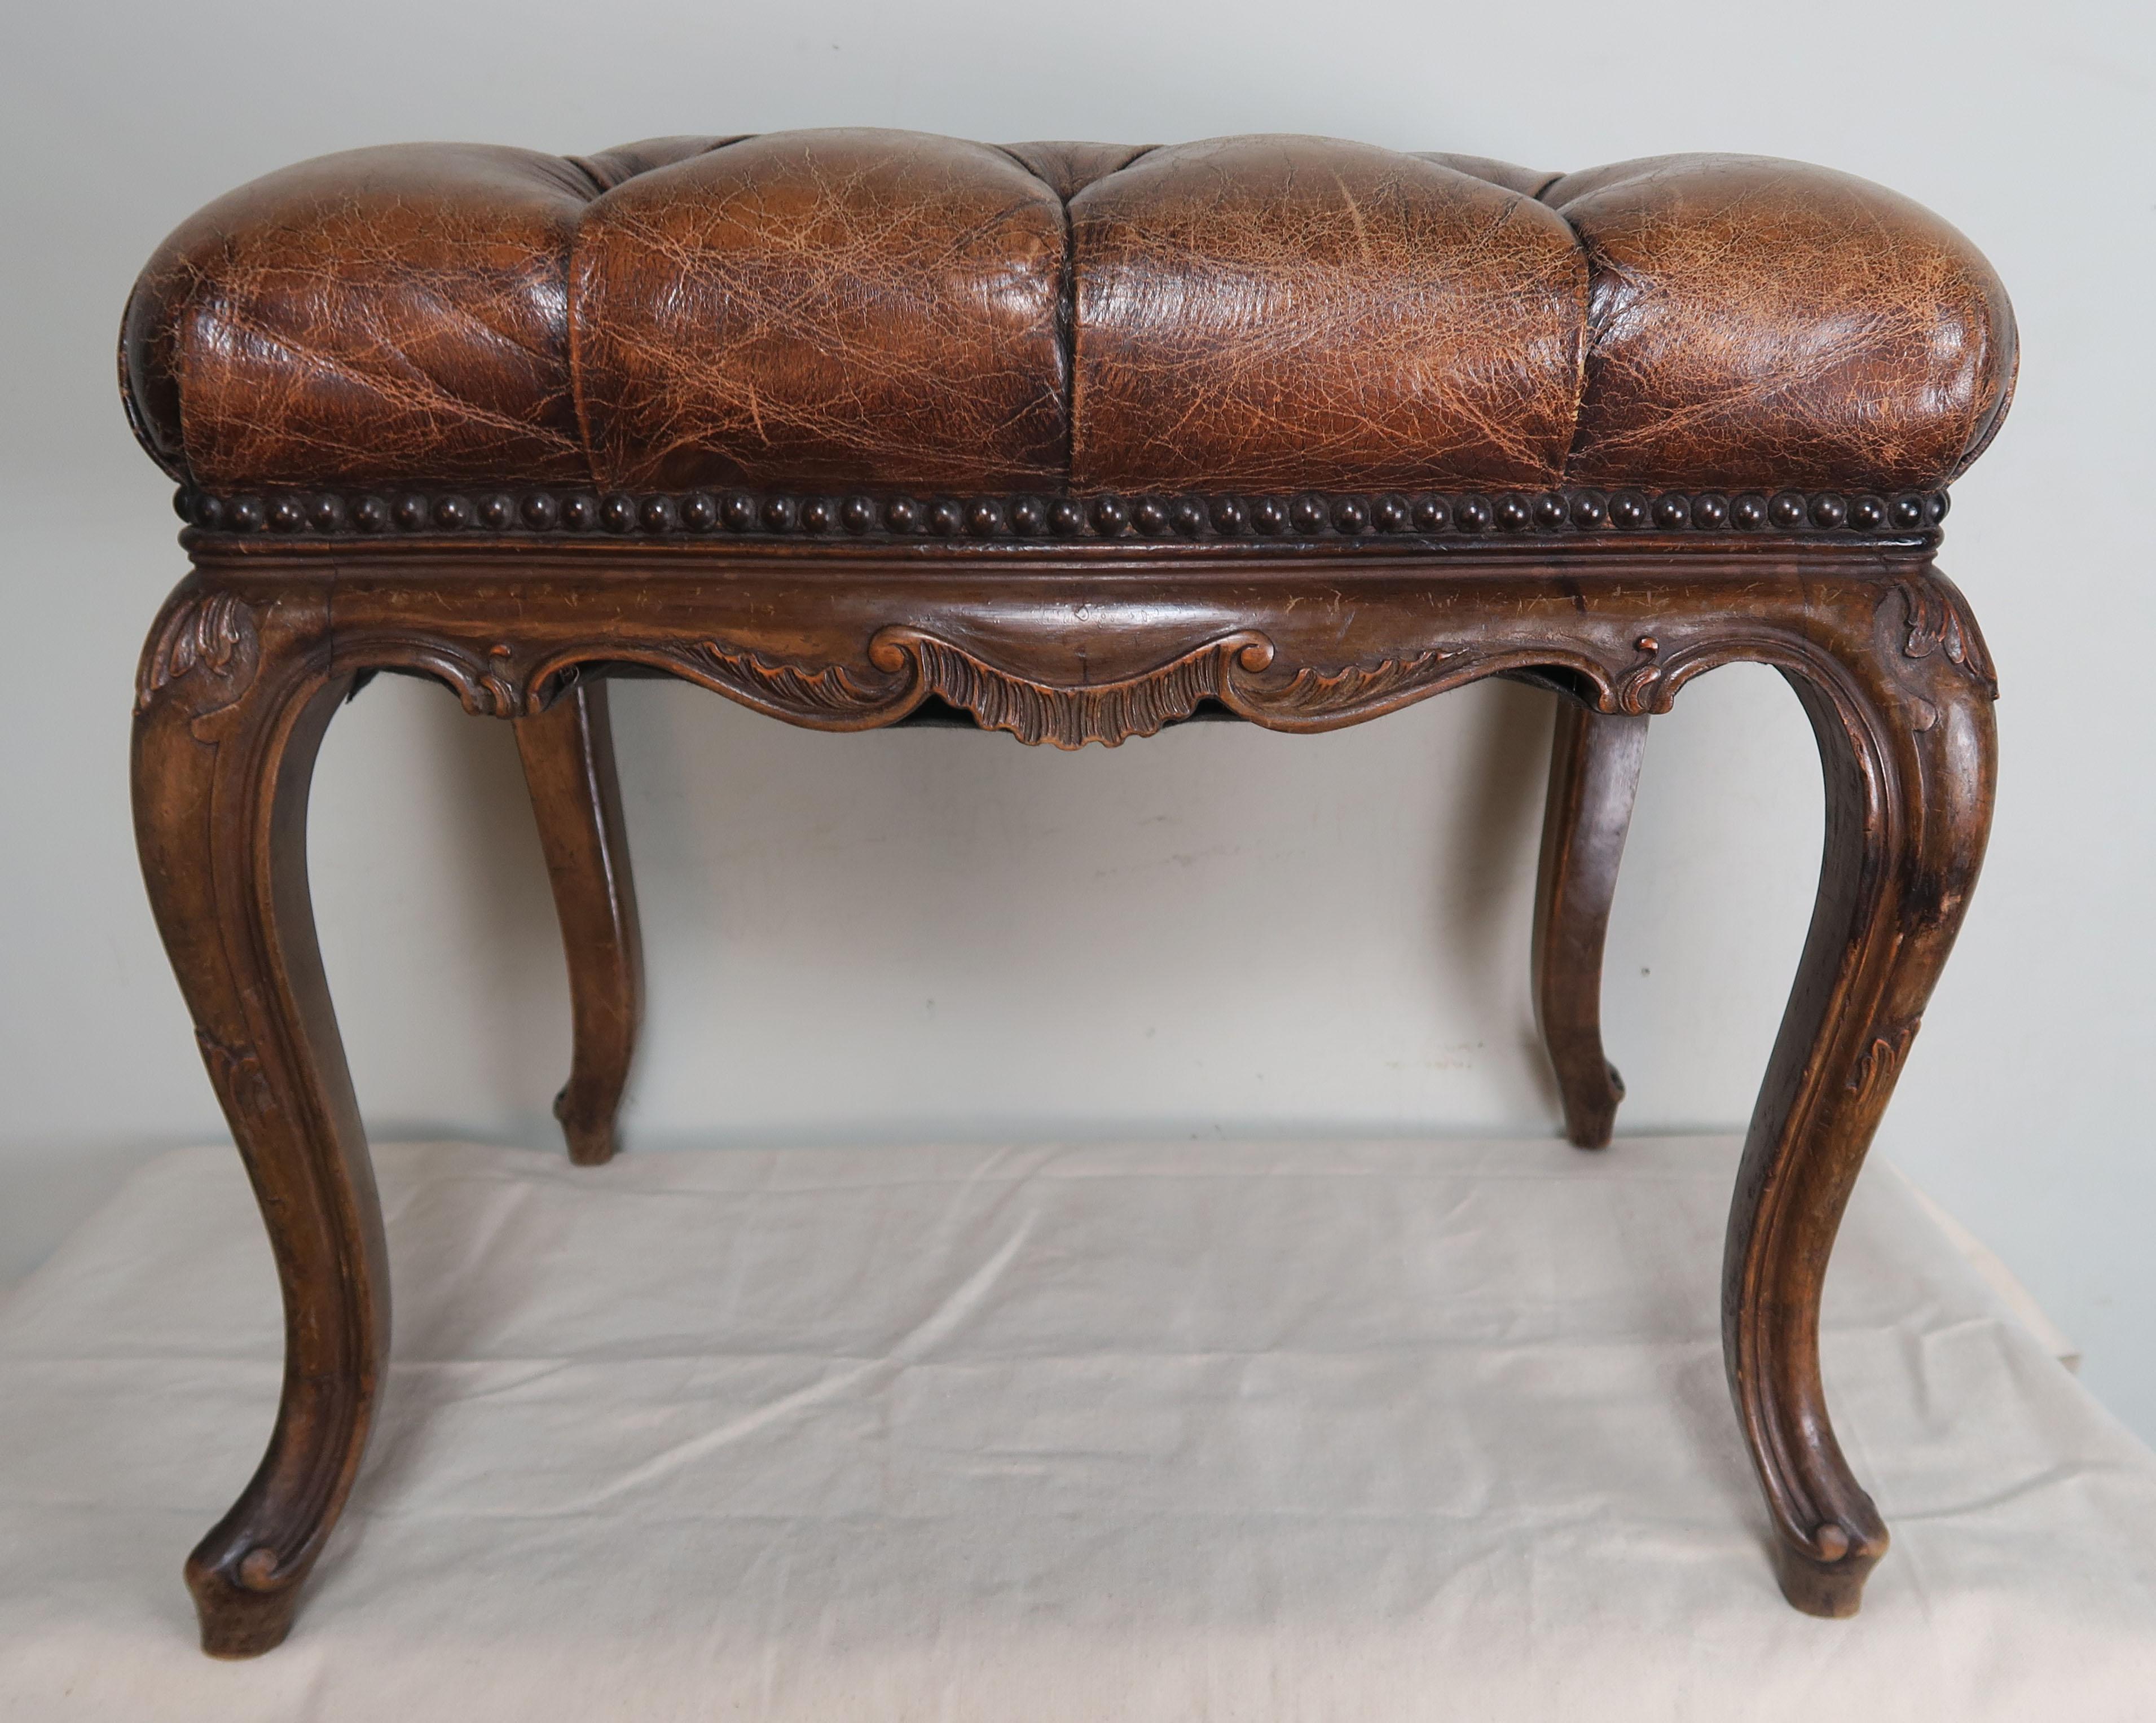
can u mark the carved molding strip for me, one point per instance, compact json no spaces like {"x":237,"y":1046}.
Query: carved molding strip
{"x":912,"y":665}
{"x":437,"y":511}
{"x":906,"y":665}
{"x":210,"y":634}
{"x":1007,"y":686}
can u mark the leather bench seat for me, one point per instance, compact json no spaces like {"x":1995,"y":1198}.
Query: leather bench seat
{"x":888,"y":311}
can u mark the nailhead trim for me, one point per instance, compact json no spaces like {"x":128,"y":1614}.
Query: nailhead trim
{"x":1207,"y":517}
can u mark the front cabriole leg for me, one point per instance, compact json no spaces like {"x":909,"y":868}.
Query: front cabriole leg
{"x":1899,"y":692}
{"x":232,"y":701}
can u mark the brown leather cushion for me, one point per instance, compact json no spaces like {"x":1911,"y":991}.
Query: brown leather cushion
{"x":891,"y":310}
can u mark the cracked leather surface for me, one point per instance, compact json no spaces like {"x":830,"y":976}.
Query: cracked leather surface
{"x":1277,"y":311}
{"x":1750,"y":315}
{"x":871,"y":307}
{"x":893,"y":310}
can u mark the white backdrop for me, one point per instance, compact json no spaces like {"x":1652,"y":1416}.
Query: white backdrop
{"x":935,"y":935}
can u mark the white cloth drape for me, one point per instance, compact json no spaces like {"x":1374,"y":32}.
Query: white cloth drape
{"x":1185,"y":1431}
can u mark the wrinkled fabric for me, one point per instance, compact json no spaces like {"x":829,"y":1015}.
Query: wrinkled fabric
{"x":1185,"y":1431}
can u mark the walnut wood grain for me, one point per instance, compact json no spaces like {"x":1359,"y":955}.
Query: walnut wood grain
{"x":232,"y":704}
{"x":1594,"y":773}
{"x":569,"y":766}
{"x":1909,"y":754}
{"x":1061,"y":646}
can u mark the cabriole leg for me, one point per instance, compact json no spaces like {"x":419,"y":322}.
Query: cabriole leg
{"x":231,"y":705}
{"x":569,"y":766}
{"x":1905,"y":739}
{"x":1594,"y":775}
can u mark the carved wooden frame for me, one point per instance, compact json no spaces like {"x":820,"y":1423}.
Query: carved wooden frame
{"x":1060,"y":643}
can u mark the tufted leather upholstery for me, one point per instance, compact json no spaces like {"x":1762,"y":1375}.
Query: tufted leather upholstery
{"x":894,"y":310}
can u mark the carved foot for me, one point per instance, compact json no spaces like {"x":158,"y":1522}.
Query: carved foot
{"x":1828,"y":1578}
{"x":243,"y":1608}
{"x":587,"y":1125}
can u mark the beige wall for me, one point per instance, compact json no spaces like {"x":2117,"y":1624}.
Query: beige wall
{"x":1219,"y":931}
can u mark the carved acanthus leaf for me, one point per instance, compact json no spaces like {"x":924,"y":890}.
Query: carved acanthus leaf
{"x":1067,"y":716}
{"x":1939,"y":621}
{"x":1878,"y":1064}
{"x":1312,"y":693}
{"x":236,"y":1076}
{"x":208,"y":635}
{"x":832,"y":695}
